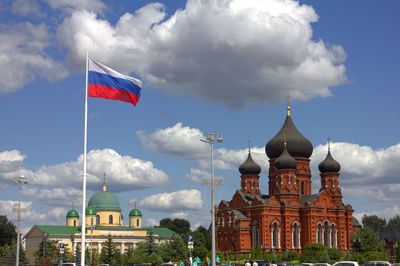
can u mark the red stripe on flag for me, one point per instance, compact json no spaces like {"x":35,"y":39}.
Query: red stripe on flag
{"x":105,"y":92}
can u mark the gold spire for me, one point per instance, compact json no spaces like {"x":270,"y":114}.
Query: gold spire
{"x":104,"y":187}
{"x":288,"y":105}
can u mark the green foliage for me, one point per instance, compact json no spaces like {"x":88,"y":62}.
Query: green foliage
{"x":151,"y":247}
{"x":108,"y":252}
{"x":375,"y":255}
{"x":48,"y":252}
{"x":334,"y":254}
{"x":367,"y":240}
{"x":314,"y":253}
{"x":394,"y":224}
{"x":271,"y":256}
{"x":174,"y":250}
{"x":8,"y":233}
{"x":180,"y":226}
{"x":290,"y":255}
{"x":373,"y":222}
{"x":206,"y":234}
{"x":256,"y":253}
{"x":8,"y":254}
{"x":200,"y":244}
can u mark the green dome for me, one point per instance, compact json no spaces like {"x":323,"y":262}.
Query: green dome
{"x":72,"y":214}
{"x":135,"y":212}
{"x":90,"y":211}
{"x":104,"y":200}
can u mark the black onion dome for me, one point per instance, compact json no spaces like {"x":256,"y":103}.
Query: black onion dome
{"x":298,"y":145}
{"x":285,"y":160}
{"x":249,"y":167}
{"x":329,"y":165}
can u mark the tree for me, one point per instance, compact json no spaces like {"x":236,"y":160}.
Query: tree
{"x":48,"y":252}
{"x":150,"y":245}
{"x":179,"y":226}
{"x":334,"y":254}
{"x":368,"y":241}
{"x":174,"y":250}
{"x":8,"y":254}
{"x":315,"y":253}
{"x":373,"y":222}
{"x":207,"y":235}
{"x":7,"y":231}
{"x":200,"y":244}
{"x":394,"y":224}
{"x":108,"y":251}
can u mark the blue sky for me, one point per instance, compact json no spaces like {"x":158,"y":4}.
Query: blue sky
{"x":206,"y":65}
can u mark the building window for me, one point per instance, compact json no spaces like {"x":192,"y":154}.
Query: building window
{"x":74,"y":222}
{"x":97,"y":219}
{"x":110,"y":219}
{"x":319,"y":233}
{"x":137,"y":222}
{"x":302,"y":188}
{"x":326,"y":233}
{"x":275,"y":235}
{"x":333,"y":236}
{"x":256,"y":236}
{"x":295,"y":236}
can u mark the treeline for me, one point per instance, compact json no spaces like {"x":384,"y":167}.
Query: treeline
{"x":8,"y":243}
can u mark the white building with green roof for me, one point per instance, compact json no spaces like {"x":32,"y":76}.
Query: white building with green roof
{"x":103,"y":217}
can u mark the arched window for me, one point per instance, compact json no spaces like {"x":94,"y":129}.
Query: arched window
{"x":74,"y":222}
{"x":302,"y":188}
{"x":137,"y":222}
{"x":256,"y":236}
{"x":110,"y":219}
{"x":319,"y":233}
{"x":275,"y":235}
{"x":97,"y":219}
{"x":91,"y":220}
{"x":296,"y":235}
{"x":326,"y":233}
{"x":333,"y":236}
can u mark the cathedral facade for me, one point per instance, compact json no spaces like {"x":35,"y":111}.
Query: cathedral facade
{"x":289,"y":216}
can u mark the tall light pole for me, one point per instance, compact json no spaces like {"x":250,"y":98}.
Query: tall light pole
{"x":20,"y":180}
{"x":211,"y":138}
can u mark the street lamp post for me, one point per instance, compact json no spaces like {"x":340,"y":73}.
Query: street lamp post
{"x":20,"y":180}
{"x":211,"y":138}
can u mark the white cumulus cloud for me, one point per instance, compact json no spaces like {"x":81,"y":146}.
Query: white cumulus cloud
{"x":178,"y":140}
{"x":234,"y":52}
{"x":186,"y":199}
{"x":23,"y":56}
{"x":122,"y":172}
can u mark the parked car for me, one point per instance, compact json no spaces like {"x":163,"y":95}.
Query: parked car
{"x":307,"y":264}
{"x":68,"y":264}
{"x":321,"y":264}
{"x":346,"y":263}
{"x":377,"y":263}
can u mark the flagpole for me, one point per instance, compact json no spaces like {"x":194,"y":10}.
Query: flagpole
{"x":83,"y":228}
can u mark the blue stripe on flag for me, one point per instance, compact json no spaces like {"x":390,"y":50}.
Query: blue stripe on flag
{"x":113,"y":82}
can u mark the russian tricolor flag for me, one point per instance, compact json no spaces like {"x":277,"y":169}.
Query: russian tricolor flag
{"x":106,"y":83}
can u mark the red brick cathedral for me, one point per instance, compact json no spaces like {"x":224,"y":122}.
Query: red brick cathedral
{"x":289,"y":216}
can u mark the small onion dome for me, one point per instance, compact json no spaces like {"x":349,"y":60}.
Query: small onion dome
{"x":329,"y":165}
{"x":90,"y":211}
{"x":249,"y":167}
{"x":72,"y":214}
{"x":299,"y":145}
{"x":135,"y":212}
{"x":285,"y":160}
